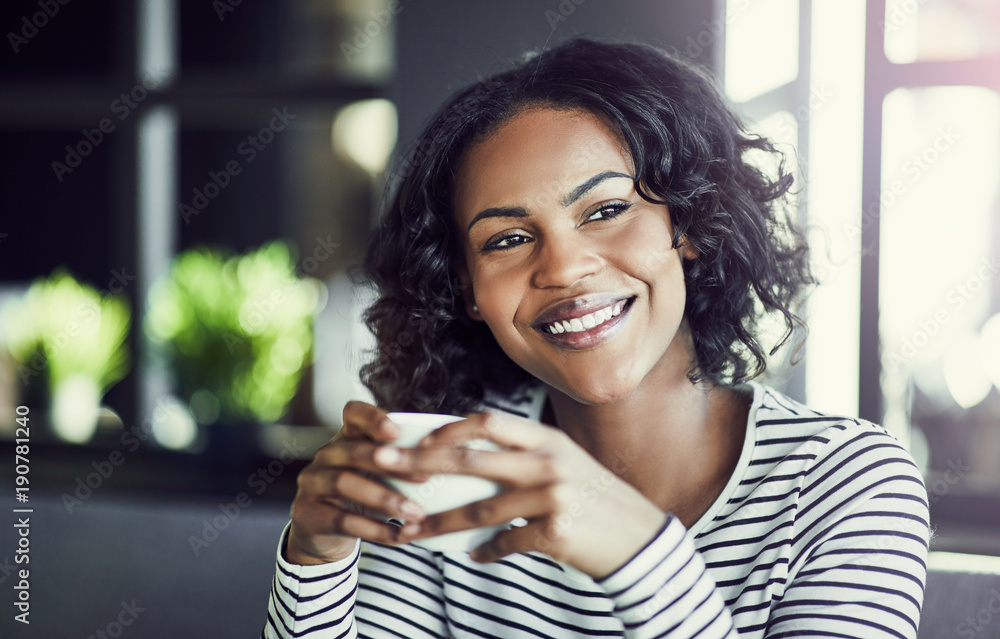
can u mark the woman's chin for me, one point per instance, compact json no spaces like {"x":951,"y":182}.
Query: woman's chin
{"x":599,"y":393}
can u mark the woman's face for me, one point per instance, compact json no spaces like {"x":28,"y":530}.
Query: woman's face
{"x":570,"y":268}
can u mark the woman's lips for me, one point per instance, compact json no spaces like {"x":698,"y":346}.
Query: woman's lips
{"x":588,"y":330}
{"x":585,"y":322}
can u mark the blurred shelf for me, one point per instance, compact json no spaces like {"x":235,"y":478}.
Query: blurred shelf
{"x":62,"y":467}
{"x":235,"y":93}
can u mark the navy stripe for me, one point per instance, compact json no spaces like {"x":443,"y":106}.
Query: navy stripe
{"x":385,"y":610}
{"x":816,"y":615}
{"x":507,"y":564}
{"x":373,"y":574}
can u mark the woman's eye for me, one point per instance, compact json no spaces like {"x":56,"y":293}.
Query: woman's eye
{"x":506,"y":241}
{"x":608,"y":211}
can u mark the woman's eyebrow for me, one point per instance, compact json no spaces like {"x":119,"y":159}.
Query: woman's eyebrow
{"x":574,"y":195}
{"x":582,"y":190}
{"x":499,"y":211}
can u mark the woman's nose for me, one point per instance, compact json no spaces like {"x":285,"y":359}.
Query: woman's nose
{"x":562,"y":262}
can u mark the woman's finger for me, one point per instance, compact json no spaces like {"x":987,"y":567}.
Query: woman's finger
{"x":488,"y":512}
{"x":505,"y":430}
{"x":358,"y":454}
{"x":340,"y":486}
{"x":520,"y":469}
{"x":362,"y":419}
{"x":539,"y":535}
{"x":324,"y":519}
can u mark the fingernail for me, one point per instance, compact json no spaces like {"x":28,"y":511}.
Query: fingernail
{"x":411,"y":511}
{"x":388,"y":456}
{"x":389,"y":427}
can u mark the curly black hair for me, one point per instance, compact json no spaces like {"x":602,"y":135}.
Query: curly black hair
{"x":689,"y":151}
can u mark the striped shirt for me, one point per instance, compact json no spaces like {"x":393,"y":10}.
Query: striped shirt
{"x":821,"y":531}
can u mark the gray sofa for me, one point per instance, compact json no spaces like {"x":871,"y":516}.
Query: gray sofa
{"x":131,"y":561}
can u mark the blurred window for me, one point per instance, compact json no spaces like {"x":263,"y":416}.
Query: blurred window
{"x":895,"y":115}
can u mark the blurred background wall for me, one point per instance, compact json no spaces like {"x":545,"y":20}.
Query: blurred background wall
{"x":186,"y":186}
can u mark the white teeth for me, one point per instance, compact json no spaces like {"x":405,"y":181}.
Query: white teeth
{"x":586,"y":322}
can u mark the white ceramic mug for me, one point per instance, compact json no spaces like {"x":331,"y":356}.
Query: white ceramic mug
{"x":443,"y":492}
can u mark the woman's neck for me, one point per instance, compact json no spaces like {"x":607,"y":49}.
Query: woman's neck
{"x":675,"y":441}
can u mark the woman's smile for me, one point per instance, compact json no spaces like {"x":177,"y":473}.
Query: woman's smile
{"x":584,"y":322}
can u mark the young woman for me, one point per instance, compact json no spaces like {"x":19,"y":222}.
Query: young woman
{"x":579,"y":248}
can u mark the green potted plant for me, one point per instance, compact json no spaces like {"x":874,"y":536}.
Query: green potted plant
{"x":69,"y":342}
{"x":236,"y":331}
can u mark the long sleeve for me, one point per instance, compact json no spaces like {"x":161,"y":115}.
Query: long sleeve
{"x":312,"y":601}
{"x":666,"y":591}
{"x":400,"y":595}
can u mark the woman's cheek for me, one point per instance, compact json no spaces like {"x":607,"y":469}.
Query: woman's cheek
{"x":646,"y":245}
{"x":497,"y":293}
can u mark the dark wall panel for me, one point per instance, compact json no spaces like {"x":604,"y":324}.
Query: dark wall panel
{"x":443,"y":46}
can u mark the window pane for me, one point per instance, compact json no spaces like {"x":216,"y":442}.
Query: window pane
{"x":834,"y":196}
{"x":762,"y":46}
{"x":939,"y":264}
{"x":941,"y":29}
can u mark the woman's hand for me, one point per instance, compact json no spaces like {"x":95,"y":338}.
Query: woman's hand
{"x":338,"y":501}
{"x":578,"y":511}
